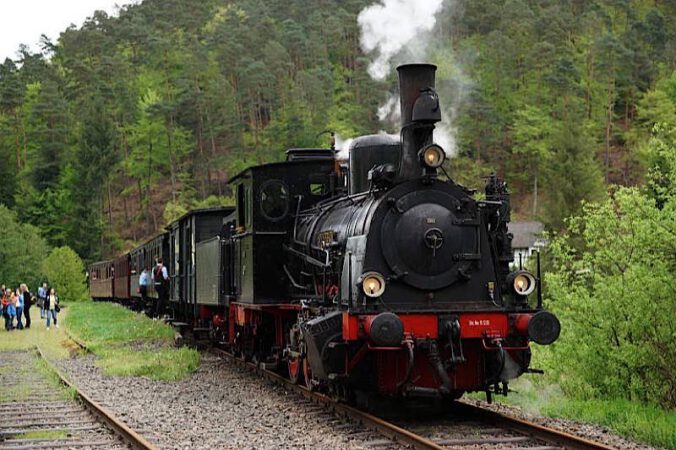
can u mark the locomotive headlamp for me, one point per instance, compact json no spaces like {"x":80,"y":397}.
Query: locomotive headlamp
{"x":522,"y":282}
{"x":432,"y":156}
{"x":373,"y":284}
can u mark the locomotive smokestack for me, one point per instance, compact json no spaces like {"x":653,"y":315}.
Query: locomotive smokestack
{"x":419,"y":112}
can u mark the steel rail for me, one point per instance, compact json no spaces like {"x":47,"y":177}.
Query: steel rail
{"x":413,"y":440}
{"x":537,"y":431}
{"x":370,"y":421}
{"x":129,"y":436}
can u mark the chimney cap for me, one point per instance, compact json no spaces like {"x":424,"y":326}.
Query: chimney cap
{"x":416,"y":65}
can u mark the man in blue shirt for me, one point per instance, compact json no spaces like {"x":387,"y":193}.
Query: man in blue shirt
{"x":42,"y":295}
{"x":143,"y":281}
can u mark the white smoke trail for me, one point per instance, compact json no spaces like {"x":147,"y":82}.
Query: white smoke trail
{"x":400,"y":31}
{"x":343,"y":146}
{"x":390,"y":110}
{"x":390,"y":26}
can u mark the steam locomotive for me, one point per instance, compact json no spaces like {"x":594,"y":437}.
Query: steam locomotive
{"x":379,"y":276}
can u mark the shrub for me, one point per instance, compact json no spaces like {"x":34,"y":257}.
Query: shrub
{"x":21,"y":250}
{"x":65,"y":271}
{"x":614,"y":292}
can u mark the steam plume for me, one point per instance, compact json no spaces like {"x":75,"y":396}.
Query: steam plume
{"x":401,"y":31}
{"x":390,"y":26}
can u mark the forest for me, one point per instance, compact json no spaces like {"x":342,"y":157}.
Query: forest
{"x":127,"y":121}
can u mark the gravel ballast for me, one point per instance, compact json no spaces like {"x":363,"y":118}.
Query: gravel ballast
{"x":220,"y":406}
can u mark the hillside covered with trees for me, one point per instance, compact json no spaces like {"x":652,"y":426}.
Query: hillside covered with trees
{"x":127,"y":121}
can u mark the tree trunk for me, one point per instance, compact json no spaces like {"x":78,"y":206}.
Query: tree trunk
{"x":535,"y":196}
{"x":172,"y":160}
{"x":590,"y":80}
{"x":200,"y":144}
{"x":16,"y":136}
{"x":110,"y":205}
{"x":609,"y":123}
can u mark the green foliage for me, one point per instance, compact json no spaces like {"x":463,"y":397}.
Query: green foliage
{"x":159,"y":364}
{"x":613,"y":288}
{"x":646,"y":423}
{"x":65,"y":273}
{"x":573,"y":175}
{"x":127,"y":343}
{"x":642,"y":422}
{"x":21,"y":251}
{"x":131,"y":120}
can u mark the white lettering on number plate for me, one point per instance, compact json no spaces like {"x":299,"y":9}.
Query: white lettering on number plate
{"x":479,"y":323}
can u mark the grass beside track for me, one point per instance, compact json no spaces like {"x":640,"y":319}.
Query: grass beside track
{"x":127,"y":343}
{"x":641,"y":422}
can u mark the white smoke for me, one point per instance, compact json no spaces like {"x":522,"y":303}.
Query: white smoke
{"x":400,"y":31}
{"x":343,"y":146}
{"x":390,"y":26}
{"x":390,"y":110}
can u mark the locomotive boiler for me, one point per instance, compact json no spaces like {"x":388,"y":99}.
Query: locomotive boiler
{"x":405,"y":279}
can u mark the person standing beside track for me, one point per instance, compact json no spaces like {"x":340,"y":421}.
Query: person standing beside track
{"x":52,"y":306}
{"x":11,"y":310}
{"x":2,"y":304}
{"x":27,"y":303}
{"x":42,"y":294}
{"x":19,"y":308}
{"x":161,"y":280}
{"x":5,"y":308}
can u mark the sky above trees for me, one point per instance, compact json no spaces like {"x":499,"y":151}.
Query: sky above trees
{"x":23,"y":22}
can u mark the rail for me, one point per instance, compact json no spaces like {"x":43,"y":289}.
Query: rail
{"x":411,"y":439}
{"x":128,"y":435}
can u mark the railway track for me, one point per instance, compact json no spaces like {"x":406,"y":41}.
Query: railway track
{"x":466,"y":427}
{"x":40,"y":409}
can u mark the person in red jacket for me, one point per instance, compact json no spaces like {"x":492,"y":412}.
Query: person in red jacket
{"x":5,"y":307}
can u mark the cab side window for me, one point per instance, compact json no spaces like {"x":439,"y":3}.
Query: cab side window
{"x":241,"y":205}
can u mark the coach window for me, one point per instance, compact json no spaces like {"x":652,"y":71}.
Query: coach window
{"x":241,"y":213}
{"x":274,"y":200}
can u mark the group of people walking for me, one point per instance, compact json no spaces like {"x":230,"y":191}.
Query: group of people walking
{"x":16,"y":306}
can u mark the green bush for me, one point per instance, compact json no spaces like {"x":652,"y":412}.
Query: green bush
{"x":615,"y":294}
{"x":66,"y":273}
{"x":21,"y":251}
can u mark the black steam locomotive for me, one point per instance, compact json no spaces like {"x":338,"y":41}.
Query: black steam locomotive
{"x":380,"y":276}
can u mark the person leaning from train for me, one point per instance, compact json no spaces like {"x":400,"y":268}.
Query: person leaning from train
{"x":143,"y":281}
{"x":19,"y":309}
{"x":5,"y":308}
{"x":27,"y":303}
{"x":42,"y":294}
{"x":52,"y":306}
{"x":161,"y":281}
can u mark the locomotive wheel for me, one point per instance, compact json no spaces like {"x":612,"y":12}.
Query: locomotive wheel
{"x":307,"y":374}
{"x":296,"y":369}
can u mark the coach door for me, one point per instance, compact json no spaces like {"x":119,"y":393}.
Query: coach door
{"x":228,"y":285}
